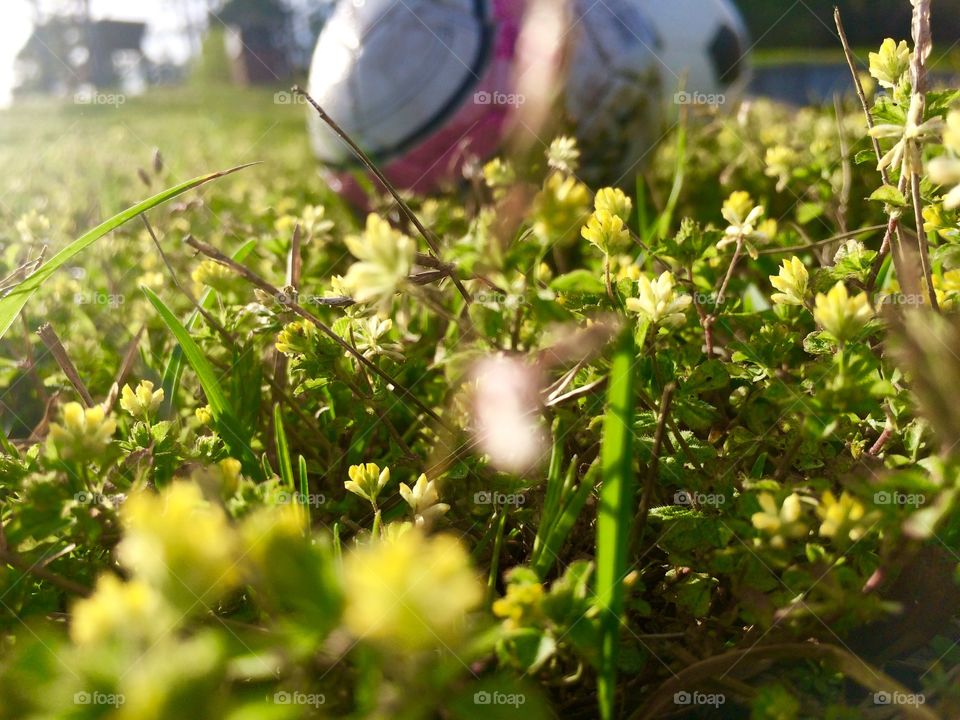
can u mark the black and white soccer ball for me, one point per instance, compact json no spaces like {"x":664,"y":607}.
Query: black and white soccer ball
{"x":422,"y":85}
{"x":703,"y":50}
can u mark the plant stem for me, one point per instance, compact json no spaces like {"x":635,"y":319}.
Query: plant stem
{"x":372,"y":167}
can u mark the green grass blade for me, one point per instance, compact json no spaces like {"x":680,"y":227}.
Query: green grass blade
{"x":14,"y":301}
{"x":666,"y":218}
{"x":304,"y":493}
{"x":560,"y":530}
{"x":283,"y":450}
{"x":223,"y":415}
{"x":174,"y":368}
{"x":614,"y":515}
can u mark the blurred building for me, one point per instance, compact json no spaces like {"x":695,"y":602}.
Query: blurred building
{"x":258,"y":40}
{"x":65,"y":53}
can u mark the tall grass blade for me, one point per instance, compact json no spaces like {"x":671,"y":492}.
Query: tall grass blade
{"x":14,"y":301}
{"x":283,"y":450}
{"x":224,"y":417}
{"x":614,"y":515}
{"x":174,"y":368}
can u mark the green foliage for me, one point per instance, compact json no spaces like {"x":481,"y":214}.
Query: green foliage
{"x":702,"y":453}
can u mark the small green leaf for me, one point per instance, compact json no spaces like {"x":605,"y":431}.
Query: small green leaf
{"x":889,"y":195}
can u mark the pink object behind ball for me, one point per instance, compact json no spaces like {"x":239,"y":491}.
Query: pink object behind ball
{"x":474,"y":128}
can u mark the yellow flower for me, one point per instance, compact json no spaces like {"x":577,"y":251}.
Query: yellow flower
{"x":910,"y":137}
{"x":370,"y":338}
{"x":615,"y":202}
{"x":499,"y":174}
{"x":843,"y":519}
{"x":84,"y":434}
{"x":521,"y":604}
{"x":560,"y":209}
{"x":791,"y":282}
{"x":606,"y":232}
{"x":842,"y":316}
{"x":385,"y":259}
{"x":780,"y":161}
{"x":367,"y":481}
{"x":296,"y":338}
{"x":204,"y":415}
{"x":213,"y":274}
{"x":945,"y":170}
{"x":743,"y":216}
{"x":32,"y":227}
{"x":423,"y":500}
{"x":181,"y":544}
{"x":658,"y":302}
{"x":778,"y":524}
{"x":312,"y":221}
{"x":627,"y":269}
{"x":890,"y":64}
{"x":563,"y":154}
{"x":410,"y":593}
{"x":143,"y":402}
{"x":116,"y":609}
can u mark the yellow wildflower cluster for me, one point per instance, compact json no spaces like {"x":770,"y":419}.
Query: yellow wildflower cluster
{"x":658,"y":301}
{"x":143,"y":402}
{"x":410,"y":592}
{"x":82,"y":433}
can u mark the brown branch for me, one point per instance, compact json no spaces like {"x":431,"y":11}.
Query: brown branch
{"x":372,"y":167}
{"x":296,"y":308}
{"x":893,"y":226}
{"x":650,"y":477}
{"x":49,"y":337}
{"x":20,"y":563}
{"x":719,"y":665}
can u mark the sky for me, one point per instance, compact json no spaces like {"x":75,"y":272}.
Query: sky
{"x":165,"y":39}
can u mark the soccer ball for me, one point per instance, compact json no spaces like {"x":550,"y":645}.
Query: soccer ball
{"x":613,"y":88}
{"x":424,"y":85}
{"x":420,"y":85}
{"x":702,"y":48}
